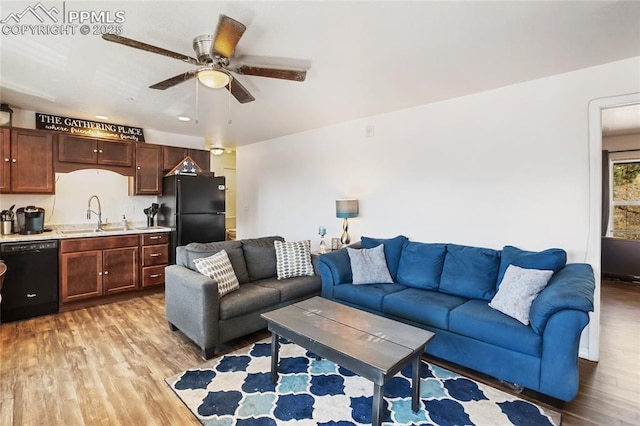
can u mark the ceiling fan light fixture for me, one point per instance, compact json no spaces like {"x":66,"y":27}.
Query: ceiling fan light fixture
{"x":213,"y":78}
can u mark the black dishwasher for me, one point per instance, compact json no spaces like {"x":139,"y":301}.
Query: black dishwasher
{"x":31,"y":281}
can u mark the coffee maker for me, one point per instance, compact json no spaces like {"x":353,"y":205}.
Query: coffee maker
{"x":30,"y":220}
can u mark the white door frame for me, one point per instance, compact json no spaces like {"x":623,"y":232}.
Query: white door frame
{"x":594,"y":250}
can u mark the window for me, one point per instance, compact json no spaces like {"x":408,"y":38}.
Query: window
{"x":625,"y":205}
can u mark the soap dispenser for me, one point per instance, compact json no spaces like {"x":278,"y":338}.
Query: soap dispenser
{"x":124,"y":222}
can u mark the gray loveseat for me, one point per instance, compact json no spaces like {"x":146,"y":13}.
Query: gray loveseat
{"x":194,"y":306}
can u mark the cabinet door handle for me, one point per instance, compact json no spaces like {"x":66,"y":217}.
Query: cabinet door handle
{"x":155,"y":275}
{"x":156,"y":237}
{"x":138,"y":167}
{"x":6,"y":160}
{"x":95,"y":150}
{"x":100,"y":151}
{"x":106,"y":272}
{"x":155,"y":254}
{"x":31,"y":295}
{"x":14,"y":161}
{"x":100,"y":273}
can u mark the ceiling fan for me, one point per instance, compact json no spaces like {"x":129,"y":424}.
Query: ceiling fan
{"x":213,"y":53}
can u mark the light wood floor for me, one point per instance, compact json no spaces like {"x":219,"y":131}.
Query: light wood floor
{"x":106,"y":366}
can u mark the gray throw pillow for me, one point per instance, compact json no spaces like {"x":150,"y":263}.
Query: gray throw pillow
{"x":219,"y":268}
{"x":293,"y":259}
{"x":518,"y":289}
{"x":369,"y":266}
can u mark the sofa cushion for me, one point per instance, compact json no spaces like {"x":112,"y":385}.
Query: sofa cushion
{"x":186,"y":254}
{"x":426,"y":307}
{"x":248,"y":298}
{"x":293,"y":259}
{"x":293,"y":288}
{"x":518,"y":289}
{"x":368,"y":266}
{"x":477,"y":320}
{"x":218,"y":267}
{"x":392,"y":250}
{"x":470,"y":272}
{"x":260,"y":256}
{"x":552,"y":259}
{"x":421,"y":264}
{"x":369,"y":297}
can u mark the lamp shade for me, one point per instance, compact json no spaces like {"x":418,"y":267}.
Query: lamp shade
{"x":213,"y":78}
{"x":346,"y":208}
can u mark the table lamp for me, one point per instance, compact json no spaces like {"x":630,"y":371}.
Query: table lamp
{"x":346,"y":209}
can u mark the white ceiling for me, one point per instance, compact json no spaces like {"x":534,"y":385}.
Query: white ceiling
{"x":363,"y":58}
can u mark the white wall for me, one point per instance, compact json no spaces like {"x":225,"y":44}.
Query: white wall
{"x":507,"y":166}
{"x":69,"y":204}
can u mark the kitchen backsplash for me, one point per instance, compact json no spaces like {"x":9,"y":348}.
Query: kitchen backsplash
{"x":69,"y":204}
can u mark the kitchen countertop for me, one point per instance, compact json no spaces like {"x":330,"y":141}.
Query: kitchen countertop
{"x":74,"y":231}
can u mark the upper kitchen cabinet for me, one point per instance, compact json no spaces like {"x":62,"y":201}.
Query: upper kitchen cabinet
{"x":27,"y":161}
{"x":172,"y":155}
{"x":147,"y":179}
{"x":77,"y":152}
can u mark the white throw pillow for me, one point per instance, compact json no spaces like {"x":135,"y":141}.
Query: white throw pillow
{"x":219,"y":268}
{"x":369,"y":266}
{"x":518,"y":289}
{"x":293,"y":259}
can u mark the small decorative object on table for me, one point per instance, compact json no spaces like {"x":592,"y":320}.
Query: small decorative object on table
{"x":322,"y":231}
{"x":335,"y":243}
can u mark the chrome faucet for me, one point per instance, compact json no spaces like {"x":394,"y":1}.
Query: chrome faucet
{"x":99,"y":212}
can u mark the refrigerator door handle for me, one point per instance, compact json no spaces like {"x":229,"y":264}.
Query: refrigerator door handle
{"x":221,"y":212}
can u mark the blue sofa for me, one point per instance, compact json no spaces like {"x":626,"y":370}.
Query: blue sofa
{"x":447,"y":288}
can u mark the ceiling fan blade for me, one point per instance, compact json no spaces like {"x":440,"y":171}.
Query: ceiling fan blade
{"x":170,"y":82}
{"x":284,"y":74}
{"x":149,"y":48}
{"x":240,"y":92}
{"x":228,"y":34}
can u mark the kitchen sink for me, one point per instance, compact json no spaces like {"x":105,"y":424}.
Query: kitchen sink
{"x":78,"y":231}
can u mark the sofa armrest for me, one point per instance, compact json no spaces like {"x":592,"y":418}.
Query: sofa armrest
{"x":335,"y":268}
{"x":571,"y":288}
{"x":192,"y":304}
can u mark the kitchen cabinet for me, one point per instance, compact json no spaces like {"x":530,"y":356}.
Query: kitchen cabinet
{"x":147,"y":179}
{"x":83,"y":150}
{"x":97,"y":266}
{"x":5,"y":157}
{"x":155,"y":257}
{"x":172,"y":155}
{"x":72,"y":152}
{"x":27,"y":161}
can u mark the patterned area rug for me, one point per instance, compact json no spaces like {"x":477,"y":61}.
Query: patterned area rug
{"x":236,"y":389}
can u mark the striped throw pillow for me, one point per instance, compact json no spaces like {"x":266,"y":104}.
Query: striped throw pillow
{"x":293,"y":259}
{"x":219,"y":268}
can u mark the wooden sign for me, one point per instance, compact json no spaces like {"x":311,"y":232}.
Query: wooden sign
{"x":94,"y":129}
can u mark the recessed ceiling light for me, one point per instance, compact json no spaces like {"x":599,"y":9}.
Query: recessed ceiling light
{"x":102,"y":117}
{"x":184,"y":118}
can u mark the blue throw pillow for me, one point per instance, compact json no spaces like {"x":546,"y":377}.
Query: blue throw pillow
{"x":552,"y":259}
{"x":421,"y":264}
{"x":470,"y":272}
{"x":392,"y":250}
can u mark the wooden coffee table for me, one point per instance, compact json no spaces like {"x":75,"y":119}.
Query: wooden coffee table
{"x":371,"y":346}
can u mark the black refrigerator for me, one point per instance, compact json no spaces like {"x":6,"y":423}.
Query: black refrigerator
{"x":194,"y":207}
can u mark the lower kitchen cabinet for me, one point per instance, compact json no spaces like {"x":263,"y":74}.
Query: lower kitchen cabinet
{"x":155,"y":257}
{"x":97,"y":266}
{"x":96,"y":270}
